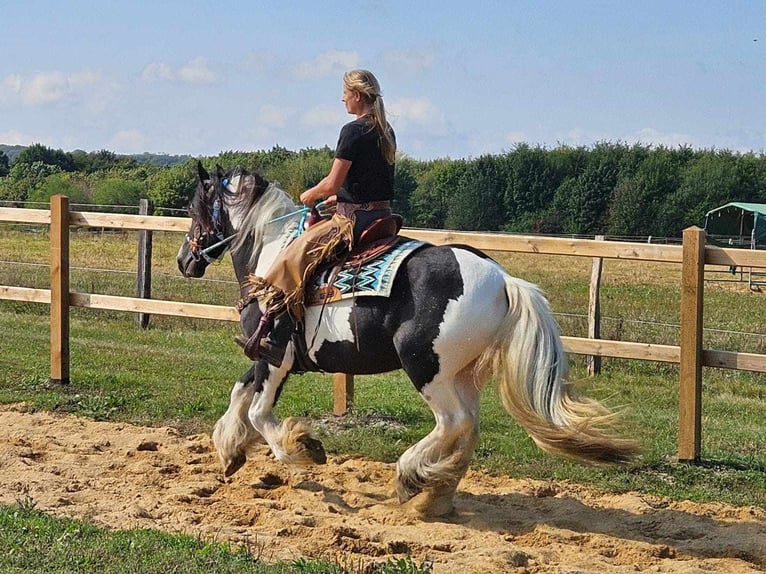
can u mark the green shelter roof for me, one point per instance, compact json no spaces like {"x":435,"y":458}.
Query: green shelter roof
{"x":741,"y":223}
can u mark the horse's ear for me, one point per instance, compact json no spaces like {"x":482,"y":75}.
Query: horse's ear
{"x":202,"y":172}
{"x":219,"y":171}
{"x":261,"y":184}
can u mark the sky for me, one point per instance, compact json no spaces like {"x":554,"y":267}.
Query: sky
{"x":460,"y":79}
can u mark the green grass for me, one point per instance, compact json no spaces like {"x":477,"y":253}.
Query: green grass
{"x":33,"y":541}
{"x":179,"y":372}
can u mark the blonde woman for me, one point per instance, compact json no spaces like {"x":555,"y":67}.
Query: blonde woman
{"x":361,"y":183}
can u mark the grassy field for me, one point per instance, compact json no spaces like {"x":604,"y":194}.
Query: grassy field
{"x":179,"y":372}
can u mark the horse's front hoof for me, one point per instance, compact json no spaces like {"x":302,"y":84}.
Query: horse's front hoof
{"x":315,"y":450}
{"x":429,"y":504}
{"x":234,"y":465}
{"x":405,"y":487}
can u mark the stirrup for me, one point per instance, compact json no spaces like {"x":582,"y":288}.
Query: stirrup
{"x":272,"y":347}
{"x":271,"y":352}
{"x":252,"y":345}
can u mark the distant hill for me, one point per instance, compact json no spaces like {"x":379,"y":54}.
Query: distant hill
{"x":13,"y":151}
{"x":158,"y":158}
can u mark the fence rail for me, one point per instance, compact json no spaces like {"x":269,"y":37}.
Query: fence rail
{"x":693,"y":255}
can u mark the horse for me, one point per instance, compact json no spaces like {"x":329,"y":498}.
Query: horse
{"x":454,"y":319}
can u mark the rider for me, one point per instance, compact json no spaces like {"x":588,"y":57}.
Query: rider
{"x":361,"y":182}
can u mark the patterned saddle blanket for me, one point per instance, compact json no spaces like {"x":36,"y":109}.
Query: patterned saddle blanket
{"x":349,"y":279}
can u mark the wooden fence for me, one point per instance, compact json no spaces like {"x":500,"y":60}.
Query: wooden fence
{"x":693,"y":255}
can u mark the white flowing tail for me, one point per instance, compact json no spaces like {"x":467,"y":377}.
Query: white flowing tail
{"x":530,"y":365}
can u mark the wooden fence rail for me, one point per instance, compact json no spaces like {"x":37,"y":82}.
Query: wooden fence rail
{"x":693,"y":255}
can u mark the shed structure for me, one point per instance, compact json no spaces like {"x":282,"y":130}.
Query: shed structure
{"x":739,"y":224}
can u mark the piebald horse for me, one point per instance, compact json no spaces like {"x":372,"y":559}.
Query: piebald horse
{"x":454,"y":319}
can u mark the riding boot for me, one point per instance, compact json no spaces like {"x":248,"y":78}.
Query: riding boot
{"x":273,"y":347}
{"x":253,"y":342}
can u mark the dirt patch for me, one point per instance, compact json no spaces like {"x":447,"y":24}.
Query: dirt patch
{"x":124,"y":476}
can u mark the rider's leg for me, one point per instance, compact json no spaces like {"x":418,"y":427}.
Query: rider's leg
{"x":272,"y":347}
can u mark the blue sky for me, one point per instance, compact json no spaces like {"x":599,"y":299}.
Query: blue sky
{"x":460,"y":79}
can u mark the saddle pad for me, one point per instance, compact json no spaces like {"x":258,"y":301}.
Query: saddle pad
{"x":375,"y":277}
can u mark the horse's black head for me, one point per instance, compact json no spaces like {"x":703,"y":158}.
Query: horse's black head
{"x":210,"y":233}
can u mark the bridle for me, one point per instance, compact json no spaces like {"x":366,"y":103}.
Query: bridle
{"x":216,"y":230}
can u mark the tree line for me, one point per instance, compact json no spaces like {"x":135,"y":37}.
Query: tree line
{"x":608,"y":188}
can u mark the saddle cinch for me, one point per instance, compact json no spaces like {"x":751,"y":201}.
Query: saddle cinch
{"x":379,"y":238}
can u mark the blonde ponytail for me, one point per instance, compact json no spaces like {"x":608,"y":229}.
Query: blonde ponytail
{"x":364,"y":82}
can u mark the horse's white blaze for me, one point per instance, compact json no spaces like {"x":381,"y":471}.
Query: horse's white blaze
{"x":334,"y":322}
{"x":471,"y":322}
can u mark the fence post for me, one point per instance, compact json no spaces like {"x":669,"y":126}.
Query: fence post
{"x":594,"y":311}
{"x":144,"y":271}
{"x":59,"y":260}
{"x":342,"y":393}
{"x":690,"y":390}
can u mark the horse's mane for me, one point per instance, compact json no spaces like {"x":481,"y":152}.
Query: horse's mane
{"x":259,"y":210}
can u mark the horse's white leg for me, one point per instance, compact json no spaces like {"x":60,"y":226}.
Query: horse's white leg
{"x":438,"y":462}
{"x":233,"y":432}
{"x":290,"y":441}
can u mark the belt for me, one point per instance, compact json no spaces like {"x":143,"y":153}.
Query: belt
{"x":347,"y":209}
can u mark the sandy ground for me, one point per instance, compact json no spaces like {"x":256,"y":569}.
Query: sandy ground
{"x":124,"y":476}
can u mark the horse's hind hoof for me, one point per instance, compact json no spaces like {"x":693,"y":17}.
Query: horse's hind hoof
{"x":315,"y":450}
{"x":234,"y":465}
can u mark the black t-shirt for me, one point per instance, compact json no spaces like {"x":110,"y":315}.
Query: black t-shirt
{"x":370,"y":177}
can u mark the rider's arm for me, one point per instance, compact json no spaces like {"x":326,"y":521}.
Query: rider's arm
{"x":329,"y":185}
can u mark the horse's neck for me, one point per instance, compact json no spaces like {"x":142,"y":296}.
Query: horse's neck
{"x":256,"y":259}
{"x":267,"y":229}
{"x":240,"y":259}
{"x":270,"y":248}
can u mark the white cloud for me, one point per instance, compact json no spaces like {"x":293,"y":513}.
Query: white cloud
{"x":257,"y":62}
{"x":128,"y":141}
{"x":46,"y":87}
{"x":14,"y":137}
{"x":656,"y":137}
{"x":330,"y":63}
{"x":416,"y":110}
{"x":271,"y":115}
{"x":322,"y":117}
{"x":515,"y":137}
{"x":157,"y":71}
{"x":409,"y":61}
{"x":196,"y":71}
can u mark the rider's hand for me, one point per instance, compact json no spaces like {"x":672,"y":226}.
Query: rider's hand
{"x":310,"y":197}
{"x":327,"y":207}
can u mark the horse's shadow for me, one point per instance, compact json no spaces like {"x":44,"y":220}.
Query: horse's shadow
{"x":673,"y":531}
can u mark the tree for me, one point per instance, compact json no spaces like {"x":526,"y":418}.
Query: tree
{"x":436,"y":188}
{"x":477,"y":202}
{"x":58,"y":183}
{"x":24,"y":178}
{"x":638,"y":203}
{"x":103,"y":160}
{"x":117,"y":191}
{"x":534,"y":175}
{"x":173,"y":187}
{"x":5,"y":164}
{"x":582,"y":202}
{"x":405,"y":185}
{"x":39,"y":153}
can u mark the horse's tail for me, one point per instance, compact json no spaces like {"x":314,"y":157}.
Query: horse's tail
{"x":530,"y":365}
